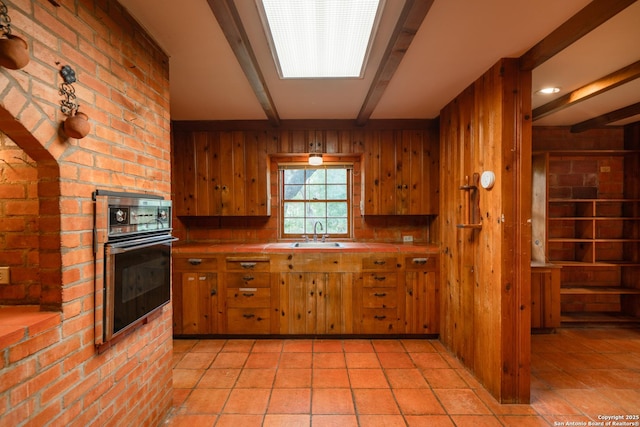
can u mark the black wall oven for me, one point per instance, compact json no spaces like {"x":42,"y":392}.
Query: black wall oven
{"x":133,"y":260}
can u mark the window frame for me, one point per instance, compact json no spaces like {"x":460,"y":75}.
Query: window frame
{"x":349,"y":167}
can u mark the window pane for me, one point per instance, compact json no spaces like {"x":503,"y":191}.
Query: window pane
{"x":337,"y":210}
{"x":294,"y":192}
{"x":294,"y":176}
{"x":336,"y":192}
{"x":316,"y":176}
{"x":316,"y":210}
{"x":336,"y":176}
{"x":316,"y":192}
{"x":337,"y":226}
{"x":293,"y":209}
{"x":294,"y":226}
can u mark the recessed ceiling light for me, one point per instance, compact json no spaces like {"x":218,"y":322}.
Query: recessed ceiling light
{"x":320,"y":38}
{"x":548,"y":90}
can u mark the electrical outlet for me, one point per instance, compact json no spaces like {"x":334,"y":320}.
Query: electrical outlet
{"x":4,"y":275}
{"x":407,"y":239}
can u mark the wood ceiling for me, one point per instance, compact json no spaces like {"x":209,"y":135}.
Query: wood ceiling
{"x":426,"y":52}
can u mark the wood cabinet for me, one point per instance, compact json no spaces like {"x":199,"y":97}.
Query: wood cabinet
{"x":401,"y":173}
{"x":422,"y":312}
{"x":545,"y":296}
{"x":315,"y":303}
{"x":220,"y":174}
{"x":247,"y":283}
{"x":592,"y":230}
{"x":306,"y":294}
{"x":195,"y":296}
{"x":378,"y":298}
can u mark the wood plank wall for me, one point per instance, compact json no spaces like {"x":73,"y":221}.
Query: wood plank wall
{"x":486,"y":272}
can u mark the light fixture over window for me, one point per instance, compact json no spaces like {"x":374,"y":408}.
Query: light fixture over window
{"x":320,"y":38}
{"x":315,"y":159}
{"x":315,"y":154}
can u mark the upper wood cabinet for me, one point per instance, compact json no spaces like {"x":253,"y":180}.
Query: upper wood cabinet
{"x":401,"y":175}
{"x":220,"y":174}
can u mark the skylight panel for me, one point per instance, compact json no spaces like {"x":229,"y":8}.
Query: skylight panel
{"x":320,"y":38}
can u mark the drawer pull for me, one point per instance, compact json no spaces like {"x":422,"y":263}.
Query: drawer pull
{"x":379,"y":262}
{"x":214,"y":292}
{"x":420,"y":261}
{"x":380,"y":278}
{"x":380,"y":317}
{"x":195,"y":261}
{"x":248,"y":294}
{"x":247,"y":265}
{"x":248,"y":315}
{"x":380,"y":294}
{"x":248,"y":278}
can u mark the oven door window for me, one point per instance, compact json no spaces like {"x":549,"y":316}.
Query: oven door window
{"x":141,"y":283}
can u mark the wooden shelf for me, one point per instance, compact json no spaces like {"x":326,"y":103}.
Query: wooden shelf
{"x":598,"y":290}
{"x":596,"y":318}
{"x":579,"y":153}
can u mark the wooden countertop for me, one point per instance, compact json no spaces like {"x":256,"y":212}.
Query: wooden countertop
{"x":285,"y":247}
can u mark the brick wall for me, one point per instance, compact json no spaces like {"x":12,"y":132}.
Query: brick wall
{"x":51,"y":373}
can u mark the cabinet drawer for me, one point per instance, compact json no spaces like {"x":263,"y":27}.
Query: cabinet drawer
{"x":248,"y":279}
{"x":425,"y":263}
{"x":195,"y":263}
{"x":379,"y":298}
{"x":248,"y":264}
{"x":248,"y":321}
{"x":379,"y":321}
{"x":380,"y":280}
{"x":249,"y":297}
{"x":380,"y":263}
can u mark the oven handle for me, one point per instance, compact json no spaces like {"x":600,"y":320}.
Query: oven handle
{"x":131,"y":245}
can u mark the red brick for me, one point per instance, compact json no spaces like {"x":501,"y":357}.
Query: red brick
{"x":33,"y":344}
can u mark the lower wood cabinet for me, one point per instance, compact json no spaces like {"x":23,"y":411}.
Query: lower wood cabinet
{"x":195,"y":296}
{"x":545,"y":296}
{"x":422,"y":310}
{"x":306,"y":294}
{"x":315,"y":303}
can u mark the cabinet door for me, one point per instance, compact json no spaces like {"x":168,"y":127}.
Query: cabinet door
{"x":315,"y":303}
{"x":421,"y":313}
{"x":199,"y":303}
{"x":220,"y":173}
{"x":401,"y":173}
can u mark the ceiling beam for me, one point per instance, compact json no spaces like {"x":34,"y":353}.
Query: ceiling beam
{"x":605,"y":119}
{"x":590,"y":17}
{"x":411,"y":17}
{"x":613,"y":80}
{"x":227,"y":15}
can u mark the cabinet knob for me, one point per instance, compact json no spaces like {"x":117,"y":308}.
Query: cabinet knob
{"x":214,"y":292}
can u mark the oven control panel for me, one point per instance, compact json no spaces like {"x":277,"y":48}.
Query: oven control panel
{"x":140,"y":216}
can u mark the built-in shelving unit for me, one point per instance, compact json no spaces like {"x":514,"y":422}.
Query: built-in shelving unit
{"x":592,"y":232}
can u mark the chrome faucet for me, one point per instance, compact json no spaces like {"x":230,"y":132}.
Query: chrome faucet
{"x":315,"y":231}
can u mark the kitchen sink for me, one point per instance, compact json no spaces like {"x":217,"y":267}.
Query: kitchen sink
{"x":317,"y":245}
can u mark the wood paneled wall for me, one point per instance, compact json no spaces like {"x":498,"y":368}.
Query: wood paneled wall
{"x":485,"y":287}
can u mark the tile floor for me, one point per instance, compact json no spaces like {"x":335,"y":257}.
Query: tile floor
{"x":577,"y":376}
